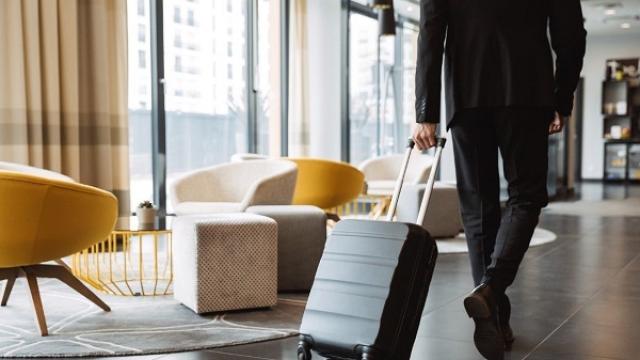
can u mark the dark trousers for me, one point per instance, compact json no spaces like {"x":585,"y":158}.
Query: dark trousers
{"x":498,"y":240}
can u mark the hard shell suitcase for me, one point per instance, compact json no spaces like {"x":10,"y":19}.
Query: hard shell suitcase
{"x":371,"y":285}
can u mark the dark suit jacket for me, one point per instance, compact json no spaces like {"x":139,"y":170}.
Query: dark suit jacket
{"x":497,"y":54}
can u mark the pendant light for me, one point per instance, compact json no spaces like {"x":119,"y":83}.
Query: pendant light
{"x":386,"y":22}
{"x":381,"y":4}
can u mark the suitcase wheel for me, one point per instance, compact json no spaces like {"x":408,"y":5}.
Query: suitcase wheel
{"x":304,"y":350}
{"x":369,"y":353}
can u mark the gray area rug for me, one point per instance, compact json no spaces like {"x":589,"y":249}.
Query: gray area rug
{"x":458,"y":244}
{"x":135,"y":325}
{"x":625,"y":207}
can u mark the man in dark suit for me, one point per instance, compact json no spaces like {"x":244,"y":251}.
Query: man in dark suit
{"x":501,"y":95}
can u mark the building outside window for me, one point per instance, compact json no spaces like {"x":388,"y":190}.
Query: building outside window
{"x":177,"y":64}
{"x":142,"y":32}
{"x":190,"y":18}
{"x":142,"y":59}
{"x":176,"y":15}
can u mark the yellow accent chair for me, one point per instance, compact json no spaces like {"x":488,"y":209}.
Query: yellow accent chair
{"x":42,"y":220}
{"x":326,"y":184}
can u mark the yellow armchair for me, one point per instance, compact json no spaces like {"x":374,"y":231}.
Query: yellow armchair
{"x":326,"y":184}
{"x":43,"y":219}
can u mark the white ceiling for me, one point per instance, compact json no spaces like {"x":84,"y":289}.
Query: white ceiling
{"x":598,"y":22}
{"x":622,"y":13}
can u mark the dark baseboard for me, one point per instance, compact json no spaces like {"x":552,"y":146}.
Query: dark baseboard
{"x":590,"y":181}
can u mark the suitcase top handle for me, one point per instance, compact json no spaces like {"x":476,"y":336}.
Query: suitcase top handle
{"x":440,"y":142}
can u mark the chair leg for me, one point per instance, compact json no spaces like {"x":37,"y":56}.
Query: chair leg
{"x":62,"y":263}
{"x":11,"y":280}
{"x":64,"y":275}
{"x":37,"y":303}
{"x":333,"y":216}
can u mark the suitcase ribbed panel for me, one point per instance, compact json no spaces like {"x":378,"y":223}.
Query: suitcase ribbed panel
{"x":353,"y":282}
{"x":371,"y":285}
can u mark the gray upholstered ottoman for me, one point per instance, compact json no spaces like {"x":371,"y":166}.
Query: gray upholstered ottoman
{"x":443,"y":215}
{"x":302,"y":232}
{"x":225,"y":261}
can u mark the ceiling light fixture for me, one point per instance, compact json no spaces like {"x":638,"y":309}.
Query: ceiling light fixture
{"x":381,"y":4}
{"x":625,"y":26}
{"x":610,"y":12}
{"x":386,"y":22}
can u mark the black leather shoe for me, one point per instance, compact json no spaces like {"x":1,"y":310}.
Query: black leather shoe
{"x":504,"y":314}
{"x":481,"y":306}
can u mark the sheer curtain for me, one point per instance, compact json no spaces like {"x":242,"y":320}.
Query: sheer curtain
{"x":298,"y":81}
{"x":63,"y":99}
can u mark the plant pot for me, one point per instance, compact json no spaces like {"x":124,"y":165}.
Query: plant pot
{"x":146,"y":215}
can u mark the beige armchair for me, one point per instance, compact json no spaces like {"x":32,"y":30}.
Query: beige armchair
{"x":247,"y":157}
{"x":233,"y":187}
{"x":381,"y":172}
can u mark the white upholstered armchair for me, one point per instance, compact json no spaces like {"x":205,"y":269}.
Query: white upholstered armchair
{"x":9,"y":166}
{"x":233,"y":187}
{"x":381,"y":172}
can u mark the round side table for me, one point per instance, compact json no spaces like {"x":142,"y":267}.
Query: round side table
{"x":136,"y":260}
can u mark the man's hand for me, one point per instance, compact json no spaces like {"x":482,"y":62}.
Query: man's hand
{"x":424,"y":134}
{"x":557,"y":124}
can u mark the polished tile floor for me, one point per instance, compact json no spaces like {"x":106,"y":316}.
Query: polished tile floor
{"x":575,"y":299}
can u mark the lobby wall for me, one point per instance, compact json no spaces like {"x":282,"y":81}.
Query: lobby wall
{"x":599,"y":49}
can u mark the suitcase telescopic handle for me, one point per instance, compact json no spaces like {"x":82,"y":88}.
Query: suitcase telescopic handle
{"x":398,"y":187}
{"x":440,"y":142}
{"x":424,"y":205}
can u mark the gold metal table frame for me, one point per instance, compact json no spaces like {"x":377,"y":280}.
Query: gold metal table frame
{"x":129,"y":263}
{"x":366,"y":206}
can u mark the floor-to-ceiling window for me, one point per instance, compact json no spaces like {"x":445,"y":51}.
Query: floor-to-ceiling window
{"x":362,"y":86}
{"x":220,"y":61}
{"x":407,"y":111}
{"x":268,"y":87}
{"x":205,"y":64}
{"x":141,"y":182}
{"x":381,"y":85}
{"x":370,"y":86}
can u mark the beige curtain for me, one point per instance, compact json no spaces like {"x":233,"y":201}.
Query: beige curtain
{"x":63,"y":89}
{"x":298,"y":81}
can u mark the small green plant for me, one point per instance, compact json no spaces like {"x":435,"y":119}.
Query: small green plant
{"x":145,"y":205}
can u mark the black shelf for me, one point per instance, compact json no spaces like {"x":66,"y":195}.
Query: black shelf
{"x":615,"y":97}
{"x":621,"y":121}
{"x":622,"y":161}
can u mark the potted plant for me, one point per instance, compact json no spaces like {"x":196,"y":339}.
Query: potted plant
{"x":146,"y":212}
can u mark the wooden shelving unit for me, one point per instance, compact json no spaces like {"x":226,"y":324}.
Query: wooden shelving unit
{"x":621,"y":116}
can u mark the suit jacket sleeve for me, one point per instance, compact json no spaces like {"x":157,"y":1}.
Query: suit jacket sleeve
{"x":433,"y":28}
{"x":568,"y":39}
